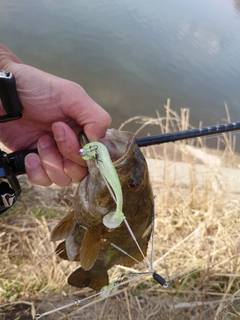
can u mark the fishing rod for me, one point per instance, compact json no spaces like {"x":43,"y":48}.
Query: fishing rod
{"x":187,"y":134}
{"x":12,"y":165}
{"x":15,"y":160}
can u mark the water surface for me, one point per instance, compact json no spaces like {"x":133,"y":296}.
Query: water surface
{"x":130,"y":56}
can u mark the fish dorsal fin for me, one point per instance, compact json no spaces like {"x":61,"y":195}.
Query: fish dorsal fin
{"x":62,"y":252}
{"x":92,"y":279}
{"x":64,"y":228}
{"x":90,"y":247}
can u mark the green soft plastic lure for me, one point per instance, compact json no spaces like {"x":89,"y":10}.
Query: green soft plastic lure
{"x":98,"y":152}
{"x":108,"y":289}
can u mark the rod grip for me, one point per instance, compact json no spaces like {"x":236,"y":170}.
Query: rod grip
{"x":16,"y":160}
{"x":8,"y":94}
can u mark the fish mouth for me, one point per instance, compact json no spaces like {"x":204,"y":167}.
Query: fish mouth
{"x":120,"y":145}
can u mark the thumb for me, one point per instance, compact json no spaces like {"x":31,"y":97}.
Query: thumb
{"x":86,"y":112}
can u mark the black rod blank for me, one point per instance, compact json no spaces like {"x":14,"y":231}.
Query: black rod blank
{"x":15,"y":160}
{"x":187,"y":134}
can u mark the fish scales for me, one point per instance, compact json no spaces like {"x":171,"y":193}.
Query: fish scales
{"x":86,"y":239}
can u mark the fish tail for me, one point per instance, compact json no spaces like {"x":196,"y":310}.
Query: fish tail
{"x":92,"y":279}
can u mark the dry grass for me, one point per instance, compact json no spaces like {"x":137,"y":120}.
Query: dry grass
{"x":197,"y":242}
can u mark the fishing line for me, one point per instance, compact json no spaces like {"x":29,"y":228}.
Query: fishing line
{"x":97,"y":159}
{"x":153,"y":234}
{"x":78,"y":301}
{"x":115,"y":284}
{"x":194,"y":138}
{"x":109,"y":187}
{"x":156,"y":276}
{"x":152,"y":263}
{"x":135,"y":240}
{"x":108,"y":290}
{"x":127,"y":254}
{"x":120,"y":249}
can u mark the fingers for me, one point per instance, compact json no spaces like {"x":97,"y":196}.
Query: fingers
{"x":75,"y":171}
{"x":100,"y":122}
{"x":67,"y":142}
{"x":47,"y":167}
{"x":58,"y":161}
{"x":68,"y":145}
{"x":35,"y":170}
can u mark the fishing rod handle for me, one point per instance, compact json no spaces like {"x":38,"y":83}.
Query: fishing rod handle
{"x":9,"y":97}
{"x":15,"y":160}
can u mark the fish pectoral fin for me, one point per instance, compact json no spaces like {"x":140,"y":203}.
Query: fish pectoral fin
{"x":92,"y":279}
{"x":62,"y":252}
{"x":90,"y":247}
{"x":72,"y":248}
{"x":64,"y":228}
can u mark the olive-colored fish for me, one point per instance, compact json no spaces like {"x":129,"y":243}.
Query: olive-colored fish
{"x":86,"y":238}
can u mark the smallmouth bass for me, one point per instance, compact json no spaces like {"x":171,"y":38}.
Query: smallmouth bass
{"x":86,"y":238}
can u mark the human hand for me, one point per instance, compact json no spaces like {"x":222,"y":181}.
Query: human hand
{"x":55,"y":110}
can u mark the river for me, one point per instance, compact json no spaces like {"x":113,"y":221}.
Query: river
{"x":132,"y":55}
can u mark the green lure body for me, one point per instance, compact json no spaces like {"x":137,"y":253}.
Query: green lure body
{"x":85,"y":237}
{"x":98,"y":151}
{"x":107,"y":290}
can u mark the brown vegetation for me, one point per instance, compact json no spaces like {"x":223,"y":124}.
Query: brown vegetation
{"x":197,"y":242}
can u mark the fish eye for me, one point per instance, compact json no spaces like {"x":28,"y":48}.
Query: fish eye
{"x":132,"y":184}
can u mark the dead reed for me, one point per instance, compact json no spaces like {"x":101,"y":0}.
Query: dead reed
{"x":197,"y":240}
